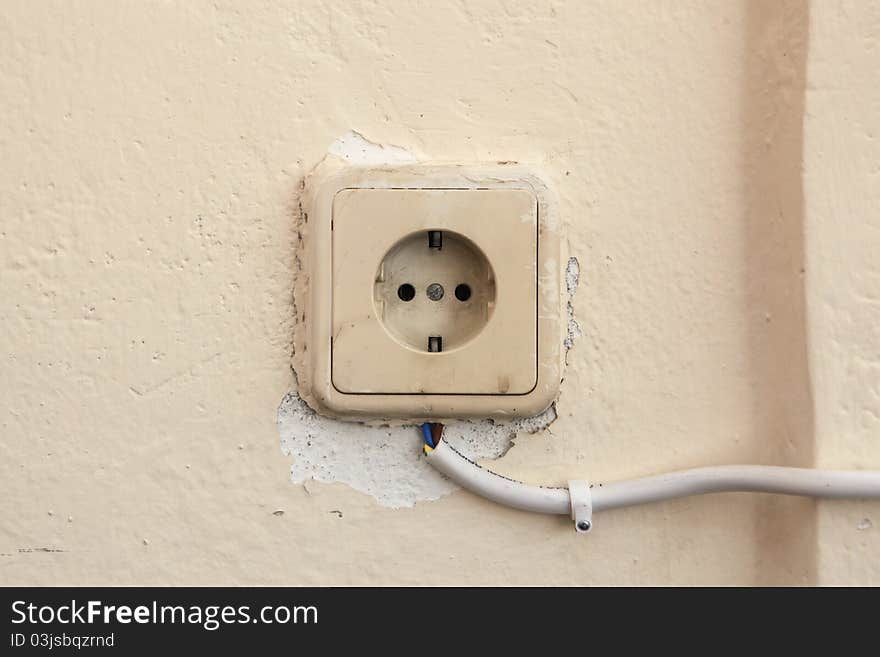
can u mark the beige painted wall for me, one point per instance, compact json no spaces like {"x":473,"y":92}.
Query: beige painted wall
{"x":152,"y":157}
{"x":842,"y":191}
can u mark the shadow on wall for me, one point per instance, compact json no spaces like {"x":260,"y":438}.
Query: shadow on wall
{"x":772,"y":154}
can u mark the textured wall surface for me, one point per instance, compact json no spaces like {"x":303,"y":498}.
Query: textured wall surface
{"x":842,"y":190}
{"x":152,"y":158}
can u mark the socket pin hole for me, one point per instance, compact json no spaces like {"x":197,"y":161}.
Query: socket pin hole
{"x":462,"y":292}
{"x":406,"y":292}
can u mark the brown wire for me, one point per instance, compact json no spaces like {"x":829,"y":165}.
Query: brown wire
{"x":436,"y":433}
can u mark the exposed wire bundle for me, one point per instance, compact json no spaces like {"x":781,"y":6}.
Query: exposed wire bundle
{"x":432,"y":432}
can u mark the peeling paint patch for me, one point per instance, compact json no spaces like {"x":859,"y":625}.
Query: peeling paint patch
{"x":572,"y":278}
{"x":865,"y":523}
{"x":354,"y":148}
{"x":383,"y":461}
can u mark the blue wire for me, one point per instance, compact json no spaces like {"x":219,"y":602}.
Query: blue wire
{"x":426,"y":434}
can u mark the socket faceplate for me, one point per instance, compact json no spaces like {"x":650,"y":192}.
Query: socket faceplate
{"x":434,"y":293}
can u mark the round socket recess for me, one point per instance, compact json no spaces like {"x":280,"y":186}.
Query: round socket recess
{"x":434,"y":291}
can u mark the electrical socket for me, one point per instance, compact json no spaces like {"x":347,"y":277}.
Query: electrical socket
{"x":433,"y":292}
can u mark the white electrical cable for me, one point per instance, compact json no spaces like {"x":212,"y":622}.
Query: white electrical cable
{"x":725,"y":478}
{"x":492,"y":486}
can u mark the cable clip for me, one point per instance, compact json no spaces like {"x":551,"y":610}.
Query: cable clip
{"x":581,"y":505}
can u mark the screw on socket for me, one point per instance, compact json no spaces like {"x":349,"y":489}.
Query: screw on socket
{"x":435,"y":291}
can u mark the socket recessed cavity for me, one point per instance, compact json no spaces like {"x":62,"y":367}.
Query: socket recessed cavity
{"x":434,"y":261}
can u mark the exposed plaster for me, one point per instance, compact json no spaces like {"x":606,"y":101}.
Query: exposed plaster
{"x":572,"y":278}
{"x":354,"y":148}
{"x":386,"y":462}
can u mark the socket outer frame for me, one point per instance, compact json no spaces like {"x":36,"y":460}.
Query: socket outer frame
{"x":538,"y":359}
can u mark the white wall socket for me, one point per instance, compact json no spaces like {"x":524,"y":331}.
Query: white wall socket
{"x":432,"y":292}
